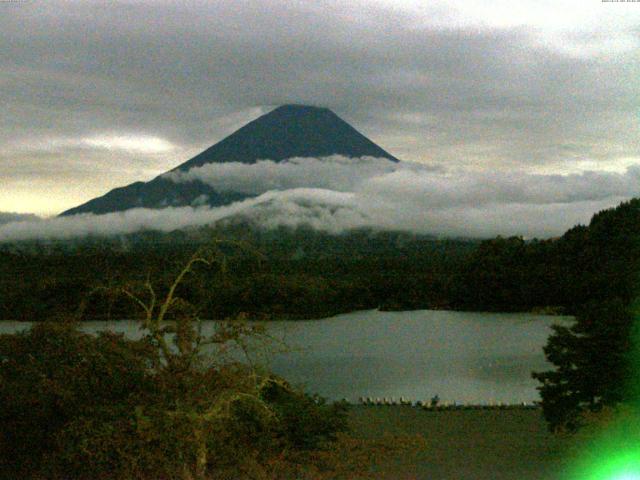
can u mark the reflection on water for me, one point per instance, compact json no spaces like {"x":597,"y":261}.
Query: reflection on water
{"x":461,"y":356}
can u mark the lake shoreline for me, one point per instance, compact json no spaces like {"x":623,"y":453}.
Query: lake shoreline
{"x":547,"y":311}
{"x":462,"y":357}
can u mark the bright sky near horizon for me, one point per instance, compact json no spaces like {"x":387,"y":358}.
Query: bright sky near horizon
{"x":100,"y":94}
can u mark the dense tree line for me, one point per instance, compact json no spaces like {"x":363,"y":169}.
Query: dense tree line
{"x":298,"y":274}
{"x":302,"y":274}
{"x":308,"y":274}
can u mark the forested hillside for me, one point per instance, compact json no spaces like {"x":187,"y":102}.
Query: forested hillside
{"x":303,"y":273}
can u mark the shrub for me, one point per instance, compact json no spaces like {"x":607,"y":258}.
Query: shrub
{"x":53,"y":376}
{"x":78,"y":406}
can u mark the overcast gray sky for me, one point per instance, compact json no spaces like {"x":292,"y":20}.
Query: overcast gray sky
{"x":98,"y":94}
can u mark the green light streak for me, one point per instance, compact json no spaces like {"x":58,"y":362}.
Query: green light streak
{"x":614,"y":455}
{"x":610,"y":449}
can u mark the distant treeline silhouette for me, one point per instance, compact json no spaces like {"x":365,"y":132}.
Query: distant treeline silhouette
{"x":304,"y":273}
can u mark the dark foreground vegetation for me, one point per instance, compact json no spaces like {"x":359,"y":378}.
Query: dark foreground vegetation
{"x":75,"y":406}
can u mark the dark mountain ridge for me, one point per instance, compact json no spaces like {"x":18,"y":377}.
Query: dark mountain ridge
{"x":286,"y":132}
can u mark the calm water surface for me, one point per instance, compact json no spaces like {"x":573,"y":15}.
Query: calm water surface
{"x":461,"y":356}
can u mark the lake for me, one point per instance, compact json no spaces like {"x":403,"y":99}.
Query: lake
{"x":460,"y":356}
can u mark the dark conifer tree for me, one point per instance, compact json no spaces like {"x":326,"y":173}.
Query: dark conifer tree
{"x":593,"y":364}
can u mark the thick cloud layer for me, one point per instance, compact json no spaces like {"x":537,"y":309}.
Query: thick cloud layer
{"x":334,"y":173}
{"x":6,"y":217}
{"x":336,"y":194}
{"x":406,"y":181}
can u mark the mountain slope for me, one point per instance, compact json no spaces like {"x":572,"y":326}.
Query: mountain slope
{"x":286,"y":132}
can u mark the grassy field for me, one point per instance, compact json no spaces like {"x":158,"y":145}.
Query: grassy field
{"x":466,"y":445}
